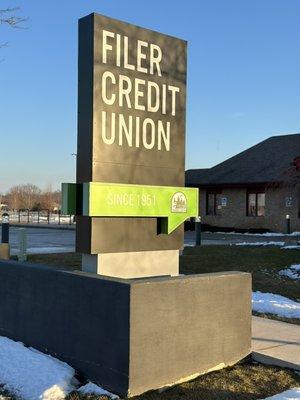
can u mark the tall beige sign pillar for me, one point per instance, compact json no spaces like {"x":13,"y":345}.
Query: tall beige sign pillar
{"x":131,"y":130}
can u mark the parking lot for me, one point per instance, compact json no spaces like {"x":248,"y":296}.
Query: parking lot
{"x":46,"y":240}
{"x":43,"y":240}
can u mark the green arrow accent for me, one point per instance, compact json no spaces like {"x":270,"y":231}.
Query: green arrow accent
{"x":173,"y":204}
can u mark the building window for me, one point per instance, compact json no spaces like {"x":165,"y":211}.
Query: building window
{"x":256,"y":204}
{"x":213,"y":202}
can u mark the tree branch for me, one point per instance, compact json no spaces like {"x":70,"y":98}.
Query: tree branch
{"x":11,"y":20}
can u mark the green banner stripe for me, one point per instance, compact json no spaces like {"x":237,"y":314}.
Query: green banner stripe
{"x":120,"y":200}
{"x":173,"y":204}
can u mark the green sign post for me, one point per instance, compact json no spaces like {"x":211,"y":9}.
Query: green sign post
{"x":171,"y":205}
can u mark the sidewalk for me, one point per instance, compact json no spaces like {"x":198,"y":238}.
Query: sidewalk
{"x":276,"y":343}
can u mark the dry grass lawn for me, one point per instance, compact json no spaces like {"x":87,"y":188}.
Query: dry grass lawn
{"x":262,"y":262}
{"x":245,"y":381}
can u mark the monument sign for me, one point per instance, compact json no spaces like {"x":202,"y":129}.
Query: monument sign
{"x":131,"y":202}
{"x":129,"y":335}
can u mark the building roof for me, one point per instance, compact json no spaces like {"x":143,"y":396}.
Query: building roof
{"x":270,"y":161}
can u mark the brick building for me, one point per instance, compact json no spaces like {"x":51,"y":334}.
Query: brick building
{"x":254,"y":190}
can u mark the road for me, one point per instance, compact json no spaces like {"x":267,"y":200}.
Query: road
{"x":45,"y":240}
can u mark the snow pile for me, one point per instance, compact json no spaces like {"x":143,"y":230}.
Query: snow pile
{"x":293,"y":272}
{"x":260,"y":244}
{"x":293,"y":394}
{"x":291,"y":247}
{"x":32,"y":375}
{"x":275,"y":304}
{"x":91,"y":388}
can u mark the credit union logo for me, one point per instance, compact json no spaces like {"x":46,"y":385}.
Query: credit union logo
{"x":179,"y":203}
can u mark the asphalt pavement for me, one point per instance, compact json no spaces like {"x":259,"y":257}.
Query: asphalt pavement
{"x":43,"y":240}
{"x":51,"y":240}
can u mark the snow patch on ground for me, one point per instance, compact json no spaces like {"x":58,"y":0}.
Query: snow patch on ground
{"x":291,"y":247}
{"x":293,"y":272}
{"x":32,"y":375}
{"x":266,"y":234}
{"x":281,"y":244}
{"x":45,"y":250}
{"x":91,"y":388}
{"x":50,"y":249}
{"x":270,"y":303}
{"x":293,"y":394}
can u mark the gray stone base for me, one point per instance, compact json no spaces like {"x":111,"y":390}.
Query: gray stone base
{"x":4,"y":251}
{"x":133,"y":264}
{"x":129,"y":336}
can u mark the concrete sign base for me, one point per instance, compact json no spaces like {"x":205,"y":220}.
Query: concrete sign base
{"x":137,"y":264}
{"x":4,"y":251}
{"x":129,"y":336}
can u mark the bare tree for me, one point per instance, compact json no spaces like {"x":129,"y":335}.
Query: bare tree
{"x":9,"y":17}
{"x":23,"y":197}
{"x":47,"y":198}
{"x":50,"y":199}
{"x":30,"y":197}
{"x":14,"y":198}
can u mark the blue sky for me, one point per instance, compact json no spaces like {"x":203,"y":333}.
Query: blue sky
{"x":243,"y":78}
